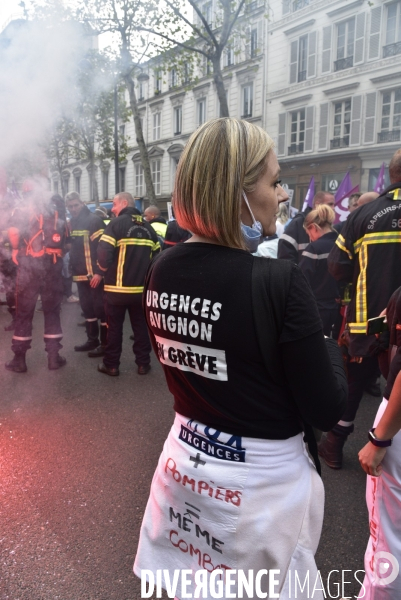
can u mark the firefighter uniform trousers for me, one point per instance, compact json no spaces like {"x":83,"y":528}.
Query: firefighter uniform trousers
{"x":115,"y":320}
{"x":91,"y":300}
{"x":38,"y":275}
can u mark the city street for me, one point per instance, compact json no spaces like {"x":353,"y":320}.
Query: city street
{"x":78,"y":450}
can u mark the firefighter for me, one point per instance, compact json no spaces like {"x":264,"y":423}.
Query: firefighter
{"x":124,"y":253}
{"x":368,"y":254}
{"x":295,"y":239}
{"x":37,"y":236}
{"x":152,"y":214}
{"x":8,"y":269}
{"x":86,"y":229}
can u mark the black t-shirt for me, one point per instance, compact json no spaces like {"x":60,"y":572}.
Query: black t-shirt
{"x":199,"y":310}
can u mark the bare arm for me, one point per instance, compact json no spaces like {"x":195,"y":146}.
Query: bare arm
{"x":371,"y":456}
{"x":13,"y":236}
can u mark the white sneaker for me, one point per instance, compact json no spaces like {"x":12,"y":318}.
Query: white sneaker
{"x":72,"y":298}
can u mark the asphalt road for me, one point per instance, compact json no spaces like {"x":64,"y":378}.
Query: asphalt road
{"x":77,"y":454}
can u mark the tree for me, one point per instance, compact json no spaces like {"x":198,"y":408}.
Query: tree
{"x":57,"y":148}
{"x":123,"y":18}
{"x":207,"y":37}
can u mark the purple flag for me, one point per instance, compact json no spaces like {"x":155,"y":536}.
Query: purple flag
{"x":344,"y":191}
{"x":309,"y":194}
{"x":380,"y":183}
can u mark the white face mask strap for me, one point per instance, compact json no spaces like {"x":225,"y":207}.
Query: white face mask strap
{"x":249,"y":208}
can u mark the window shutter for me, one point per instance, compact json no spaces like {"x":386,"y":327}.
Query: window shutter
{"x":326,"y":53}
{"x":359,"y":50}
{"x":282,"y":118}
{"x":356,"y":116}
{"x":323,"y":126}
{"x":248,"y":43}
{"x":309,"y":123}
{"x":375,"y":27}
{"x":286,"y":6}
{"x":312,"y":43}
{"x":370,"y":118}
{"x":294,"y":61}
{"x":260,"y":37}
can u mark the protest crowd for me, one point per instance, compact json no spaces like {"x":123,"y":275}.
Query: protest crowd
{"x":322,"y":287}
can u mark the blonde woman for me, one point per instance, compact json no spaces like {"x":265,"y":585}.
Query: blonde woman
{"x":234,"y":487}
{"x":319,"y":226}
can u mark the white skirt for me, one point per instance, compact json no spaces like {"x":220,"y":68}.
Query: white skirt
{"x":219,"y":501}
{"x":383,"y":553}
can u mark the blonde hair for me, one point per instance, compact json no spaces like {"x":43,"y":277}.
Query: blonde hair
{"x":221,"y":159}
{"x":323,"y":216}
{"x":283,"y":214}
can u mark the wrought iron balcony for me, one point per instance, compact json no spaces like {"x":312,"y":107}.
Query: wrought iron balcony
{"x":344,"y":63}
{"x":339,"y":143}
{"x":389,"y":136}
{"x":296,"y":148}
{"x":301,"y":76}
{"x":392,"y":49}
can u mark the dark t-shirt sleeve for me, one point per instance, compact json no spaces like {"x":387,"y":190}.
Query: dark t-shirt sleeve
{"x":316,"y":376}
{"x":301,"y":312}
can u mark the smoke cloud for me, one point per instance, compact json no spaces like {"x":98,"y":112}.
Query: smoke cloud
{"x":38,"y":65}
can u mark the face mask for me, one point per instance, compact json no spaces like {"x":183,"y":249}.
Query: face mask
{"x":252,"y":235}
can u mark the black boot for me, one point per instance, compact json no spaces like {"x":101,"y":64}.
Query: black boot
{"x":331,"y":447}
{"x":17,"y":364}
{"x":55,"y":361}
{"x":92,"y":331}
{"x":100,"y":350}
{"x":11,"y":326}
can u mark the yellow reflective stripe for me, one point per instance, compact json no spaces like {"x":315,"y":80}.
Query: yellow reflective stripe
{"x":342,"y":247}
{"x":388,"y":237}
{"x":124,"y":290}
{"x":360,"y":299}
{"x":156,"y":247}
{"x":80,"y":278}
{"x":357,"y":327}
{"x":358,"y":244}
{"x":120,"y":266}
{"x":108,"y":239}
{"x":134,"y":242}
{"x":396,"y":194}
{"x":87,"y":251}
{"x":96,"y":234}
{"x":80,"y":232}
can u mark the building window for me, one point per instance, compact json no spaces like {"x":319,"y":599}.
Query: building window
{"x":342,"y":124}
{"x":247,"y":100}
{"x":391,"y":117}
{"x":173,"y":78}
{"x":77,"y":183}
{"x":66,"y":185}
{"x":207,"y":12}
{"x":141,"y":88}
{"x":201,"y":111}
{"x":229,"y":56}
{"x":138,"y":180}
{"x":187,"y":73}
{"x":297,"y":132}
{"x":121,"y":130}
{"x":254,"y":42}
{"x":155,"y":168}
{"x":157,"y":118}
{"x":55,"y":187}
{"x":105,"y":184}
{"x":393,"y":30}
{"x":177,"y":120}
{"x":158,"y":82}
{"x":345,"y":45}
{"x":122,"y":179}
{"x":294,"y":5}
{"x":298,"y":59}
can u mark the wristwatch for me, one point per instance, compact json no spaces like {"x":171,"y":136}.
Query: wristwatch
{"x":376,"y":442}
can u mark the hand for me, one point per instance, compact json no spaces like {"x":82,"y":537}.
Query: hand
{"x":371,"y":457}
{"x":14,"y":254}
{"x":96,"y":279}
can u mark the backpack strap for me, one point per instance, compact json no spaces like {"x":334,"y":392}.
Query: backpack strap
{"x":271,"y":280}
